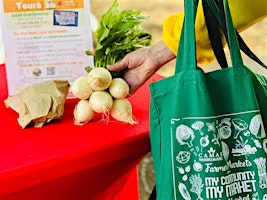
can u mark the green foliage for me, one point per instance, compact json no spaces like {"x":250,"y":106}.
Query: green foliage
{"x":119,"y":33}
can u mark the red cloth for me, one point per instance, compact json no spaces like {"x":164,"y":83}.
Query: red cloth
{"x":64,"y":161}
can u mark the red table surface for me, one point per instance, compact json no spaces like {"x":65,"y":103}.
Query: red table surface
{"x":64,"y":161}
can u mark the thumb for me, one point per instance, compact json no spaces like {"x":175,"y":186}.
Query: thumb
{"x":118,"y":66}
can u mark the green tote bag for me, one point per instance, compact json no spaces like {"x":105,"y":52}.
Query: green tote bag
{"x":207,"y":130}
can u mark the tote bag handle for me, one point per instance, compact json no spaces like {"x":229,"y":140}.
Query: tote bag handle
{"x":211,"y":10}
{"x":213,"y":28}
{"x":232,"y":37}
{"x":186,"y":59}
{"x":231,"y":32}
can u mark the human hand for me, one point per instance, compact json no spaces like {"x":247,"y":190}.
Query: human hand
{"x":142,"y":64}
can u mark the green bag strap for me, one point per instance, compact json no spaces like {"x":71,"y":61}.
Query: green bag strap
{"x":186,"y":59}
{"x":211,"y":10}
{"x":229,"y":26}
{"x":214,"y":31}
{"x":232,"y":37}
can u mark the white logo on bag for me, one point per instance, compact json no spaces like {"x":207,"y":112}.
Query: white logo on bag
{"x":212,"y":155}
{"x":230,"y":165}
{"x":235,"y":183}
{"x":212,"y":188}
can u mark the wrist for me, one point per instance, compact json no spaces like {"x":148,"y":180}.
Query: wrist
{"x":162,"y":53}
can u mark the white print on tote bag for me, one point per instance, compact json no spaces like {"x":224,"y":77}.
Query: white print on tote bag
{"x":219,"y":157}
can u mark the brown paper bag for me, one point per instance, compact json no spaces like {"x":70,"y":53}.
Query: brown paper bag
{"x":40,"y":103}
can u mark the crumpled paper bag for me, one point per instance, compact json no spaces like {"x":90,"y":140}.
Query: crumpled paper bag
{"x":39,"y":103}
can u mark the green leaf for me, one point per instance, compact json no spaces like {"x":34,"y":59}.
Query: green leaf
{"x":89,"y":53}
{"x":119,"y":33}
{"x":88,"y":69}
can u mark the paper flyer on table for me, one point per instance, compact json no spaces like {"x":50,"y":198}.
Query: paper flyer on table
{"x":45,"y":40}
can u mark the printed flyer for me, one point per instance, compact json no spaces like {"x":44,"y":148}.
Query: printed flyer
{"x":45,"y":40}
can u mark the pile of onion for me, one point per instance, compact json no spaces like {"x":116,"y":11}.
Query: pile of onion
{"x":100,"y":93}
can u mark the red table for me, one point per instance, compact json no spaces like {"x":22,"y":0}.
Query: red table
{"x":64,"y":161}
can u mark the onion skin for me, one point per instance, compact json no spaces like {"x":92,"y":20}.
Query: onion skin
{"x":80,"y":88}
{"x":122,"y":111}
{"x":99,"y":78}
{"x":101,"y":101}
{"x":83,"y":113}
{"x":100,"y":93}
{"x":119,"y":88}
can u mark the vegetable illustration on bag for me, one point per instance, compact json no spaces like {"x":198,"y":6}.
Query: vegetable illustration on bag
{"x":226,"y":149}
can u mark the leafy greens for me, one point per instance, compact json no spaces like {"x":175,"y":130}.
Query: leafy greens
{"x":118,"y":34}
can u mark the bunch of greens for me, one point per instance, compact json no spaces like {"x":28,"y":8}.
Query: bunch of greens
{"x":118,"y":34}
